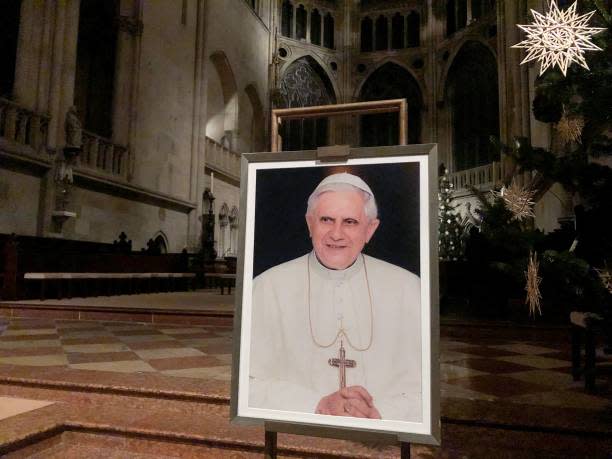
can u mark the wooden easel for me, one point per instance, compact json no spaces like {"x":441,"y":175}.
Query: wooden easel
{"x":337,"y":153}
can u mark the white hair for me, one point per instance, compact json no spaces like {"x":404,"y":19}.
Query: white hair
{"x":370,"y":207}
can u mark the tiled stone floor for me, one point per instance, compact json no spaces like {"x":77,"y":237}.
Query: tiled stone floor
{"x":475,"y":365}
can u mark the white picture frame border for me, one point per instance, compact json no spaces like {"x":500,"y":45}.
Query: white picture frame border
{"x":428,"y":430}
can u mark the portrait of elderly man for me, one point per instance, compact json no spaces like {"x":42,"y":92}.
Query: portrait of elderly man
{"x":334,"y":331}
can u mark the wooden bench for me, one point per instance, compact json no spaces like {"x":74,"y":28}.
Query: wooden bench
{"x":223,"y":280}
{"x":586,"y":327}
{"x":88,"y":268}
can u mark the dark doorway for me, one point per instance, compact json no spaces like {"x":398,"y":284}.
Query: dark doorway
{"x":305,"y":84}
{"x":390,"y":82}
{"x":473,"y":94}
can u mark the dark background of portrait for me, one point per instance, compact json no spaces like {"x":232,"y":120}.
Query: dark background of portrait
{"x":281,"y":199}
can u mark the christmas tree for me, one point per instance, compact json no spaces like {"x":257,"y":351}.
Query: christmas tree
{"x":450,"y":229}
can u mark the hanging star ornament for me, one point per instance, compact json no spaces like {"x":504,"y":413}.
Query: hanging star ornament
{"x":532,"y":286}
{"x":518,"y":199}
{"x":558,"y":38}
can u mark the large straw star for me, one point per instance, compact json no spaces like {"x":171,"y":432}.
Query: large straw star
{"x":558,"y":38}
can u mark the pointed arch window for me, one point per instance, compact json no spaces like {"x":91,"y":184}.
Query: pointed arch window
{"x":10,"y":13}
{"x":328,"y":31}
{"x":382,"y":33}
{"x":397,"y":31}
{"x":300,"y":23}
{"x":367,"y":29}
{"x":315,"y":27}
{"x":287,"y":19}
{"x":413,"y":36}
{"x":474,"y":100}
{"x":95,"y":65}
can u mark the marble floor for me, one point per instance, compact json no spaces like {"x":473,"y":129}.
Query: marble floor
{"x":499,"y":384}
{"x":475,"y":366}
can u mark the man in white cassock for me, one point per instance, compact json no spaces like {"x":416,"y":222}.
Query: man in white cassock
{"x":337,"y":332}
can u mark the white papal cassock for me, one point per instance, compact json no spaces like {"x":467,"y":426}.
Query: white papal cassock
{"x":288,"y":371}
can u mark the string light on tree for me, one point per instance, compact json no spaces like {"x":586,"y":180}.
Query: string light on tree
{"x":560,"y":37}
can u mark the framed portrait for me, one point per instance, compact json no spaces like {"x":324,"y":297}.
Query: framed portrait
{"x":336,"y":324}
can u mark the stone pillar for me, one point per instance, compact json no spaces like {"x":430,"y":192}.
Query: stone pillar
{"x":130,"y":30}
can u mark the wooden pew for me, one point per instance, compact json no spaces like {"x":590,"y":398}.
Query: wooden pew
{"x":86,"y":268}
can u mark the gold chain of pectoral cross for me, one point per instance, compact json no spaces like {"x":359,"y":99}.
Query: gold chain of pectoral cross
{"x":341,"y":331}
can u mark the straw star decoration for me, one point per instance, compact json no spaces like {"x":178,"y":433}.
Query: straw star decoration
{"x":560,"y":37}
{"x":532,"y":286}
{"x":518,"y":199}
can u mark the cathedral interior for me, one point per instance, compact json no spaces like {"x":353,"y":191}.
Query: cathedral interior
{"x":122,"y":124}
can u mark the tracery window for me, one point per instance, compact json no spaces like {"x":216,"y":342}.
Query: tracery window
{"x":328,"y":31}
{"x":315,"y":27}
{"x":300,"y":23}
{"x":287,"y":19}
{"x":305,"y":84}
{"x":413,"y":35}
{"x":367,"y":29}
{"x":397,"y":31}
{"x":382,"y":33}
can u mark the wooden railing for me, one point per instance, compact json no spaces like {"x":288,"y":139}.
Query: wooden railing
{"x":481,"y":177}
{"x":22,"y":126}
{"x":486,"y":177}
{"x":102,"y":154}
{"x":222,"y":159}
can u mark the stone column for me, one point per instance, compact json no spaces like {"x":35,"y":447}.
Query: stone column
{"x":130,"y":30}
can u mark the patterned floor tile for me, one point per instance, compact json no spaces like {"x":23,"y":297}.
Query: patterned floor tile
{"x":36,"y":360}
{"x":91,"y":357}
{"x":498,"y":385}
{"x":536,"y":361}
{"x":449,"y":390}
{"x":96,"y":348}
{"x":181,"y":363}
{"x":29,"y":332}
{"x":493,"y":366}
{"x":448,"y":372}
{"x":128,"y":366}
{"x":221,"y":373}
{"x":565,"y":399}
{"x":29,"y":344}
{"x":523,"y":348}
{"x":150,"y":354}
{"x":546,"y":377}
{"x":451,"y":356}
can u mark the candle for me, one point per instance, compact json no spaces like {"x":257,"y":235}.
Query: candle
{"x":212,"y":183}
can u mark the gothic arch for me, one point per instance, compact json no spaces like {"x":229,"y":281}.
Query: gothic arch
{"x":305,"y":83}
{"x":390,"y":81}
{"x":370,"y":71}
{"x":316,"y":62}
{"x":161,"y":242}
{"x":442,"y":83}
{"x":229,"y":90}
{"x":472,"y":92}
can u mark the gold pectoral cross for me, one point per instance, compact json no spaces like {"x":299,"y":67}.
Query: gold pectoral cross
{"x":342,"y":363}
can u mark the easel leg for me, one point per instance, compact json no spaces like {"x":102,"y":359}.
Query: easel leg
{"x":270,"y":445}
{"x":405,"y":450}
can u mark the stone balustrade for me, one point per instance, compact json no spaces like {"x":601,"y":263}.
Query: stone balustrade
{"x":103,"y":155}
{"x":482,"y":177}
{"x":222,"y":159}
{"x":24,"y":127}
{"x":486,"y":177}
